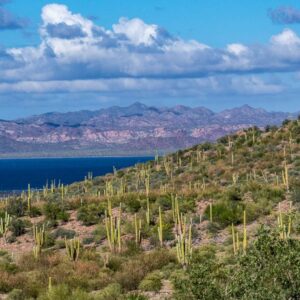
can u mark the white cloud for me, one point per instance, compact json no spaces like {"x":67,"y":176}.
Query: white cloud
{"x":221,"y":85}
{"x":77,"y":55}
{"x":137,"y":31}
{"x":286,"y":38}
{"x":237,"y":49}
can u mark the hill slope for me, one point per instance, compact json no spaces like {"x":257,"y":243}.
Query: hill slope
{"x":184,"y":226}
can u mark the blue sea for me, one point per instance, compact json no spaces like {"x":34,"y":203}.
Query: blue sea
{"x":16,"y":174}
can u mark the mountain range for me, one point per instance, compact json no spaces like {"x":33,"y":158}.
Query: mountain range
{"x":135,"y":129}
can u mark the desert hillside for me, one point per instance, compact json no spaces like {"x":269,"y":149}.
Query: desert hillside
{"x":216,"y":221}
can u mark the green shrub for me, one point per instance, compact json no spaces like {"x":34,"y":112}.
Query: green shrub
{"x":203,"y":279}
{"x":90,"y":214}
{"x":136,"y":297}
{"x":226,"y":213}
{"x":64,"y":233}
{"x":111,"y":292}
{"x":55,"y":211}
{"x":134,"y":271}
{"x":63,"y":292}
{"x":270,"y":270}
{"x":34,"y":212}
{"x":99,"y":233}
{"x":17,"y":227}
{"x":152,"y":282}
{"x":16,"y":294}
{"x":16,"y":207}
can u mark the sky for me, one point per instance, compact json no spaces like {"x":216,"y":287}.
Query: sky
{"x":87,"y":54}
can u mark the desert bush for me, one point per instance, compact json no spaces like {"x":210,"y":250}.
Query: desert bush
{"x":16,"y":294}
{"x":99,"y":233}
{"x":111,"y":292}
{"x":34,"y":212}
{"x":90,"y":214}
{"x":136,"y":296}
{"x":17,"y":227}
{"x":270,"y":270}
{"x":63,"y":233}
{"x":226,"y":213}
{"x":55,"y":211}
{"x":63,"y":292}
{"x":203,"y":279}
{"x":152,"y":282}
{"x":135,"y":270}
{"x":16,"y":207}
{"x":132,"y":203}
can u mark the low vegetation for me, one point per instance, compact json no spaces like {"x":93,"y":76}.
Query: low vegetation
{"x":216,"y":221}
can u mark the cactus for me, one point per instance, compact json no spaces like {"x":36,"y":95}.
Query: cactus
{"x":156,"y":156}
{"x":49,"y":284}
{"x":160,"y":227}
{"x":285,"y":176}
{"x":284,"y":229}
{"x":113,"y":231}
{"x":138,"y":228}
{"x":235,"y":178}
{"x":29,"y":198}
{"x":184,"y":244}
{"x":109,"y":207}
{"x":244,"y":233}
{"x":73,"y":248}
{"x":52,"y":187}
{"x":235,"y":237}
{"x":175,"y":207}
{"x":148,"y":212}
{"x":39,"y":240}
{"x":62,"y":192}
{"x":4,"y":225}
{"x":147,"y":185}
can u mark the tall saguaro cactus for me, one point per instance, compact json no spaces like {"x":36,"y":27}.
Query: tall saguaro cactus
{"x":73,"y":248}
{"x":236,"y":239}
{"x":113,"y":231}
{"x":39,"y":239}
{"x":285,"y":176}
{"x":148,"y":212}
{"x":29,"y":198}
{"x":137,"y":229}
{"x":160,"y":227}
{"x":184,"y":243}
{"x":4,"y":225}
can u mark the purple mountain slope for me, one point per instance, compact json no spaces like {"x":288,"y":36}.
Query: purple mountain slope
{"x":136,"y":129}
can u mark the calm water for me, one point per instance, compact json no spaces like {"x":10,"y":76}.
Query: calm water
{"x":15,"y":174}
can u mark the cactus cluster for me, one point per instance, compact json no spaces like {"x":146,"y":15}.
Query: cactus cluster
{"x":160,"y":228}
{"x":137,"y":230}
{"x":236,"y":239}
{"x":284,"y":226}
{"x":73,"y":248}
{"x":184,"y":247}
{"x":39,"y":240}
{"x":4,"y":225}
{"x":113,"y":230}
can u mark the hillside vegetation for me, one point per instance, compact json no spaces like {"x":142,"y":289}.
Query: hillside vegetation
{"x":216,"y":221}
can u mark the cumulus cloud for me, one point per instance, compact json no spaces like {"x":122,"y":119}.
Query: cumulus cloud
{"x":285,"y":15}
{"x":77,"y":55}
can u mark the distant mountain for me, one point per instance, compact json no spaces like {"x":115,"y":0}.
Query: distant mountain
{"x":136,"y":129}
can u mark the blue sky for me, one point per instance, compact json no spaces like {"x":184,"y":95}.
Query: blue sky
{"x":76,"y":54}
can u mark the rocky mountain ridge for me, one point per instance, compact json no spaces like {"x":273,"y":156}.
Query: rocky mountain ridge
{"x":135,"y":129}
